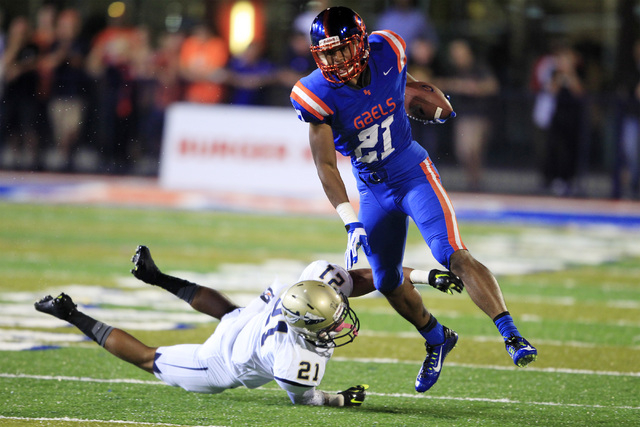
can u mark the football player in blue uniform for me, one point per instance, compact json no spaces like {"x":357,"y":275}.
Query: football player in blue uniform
{"x":354,"y":104}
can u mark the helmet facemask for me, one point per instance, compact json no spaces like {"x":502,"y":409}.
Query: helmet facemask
{"x":339,"y":44}
{"x":320,"y":313}
{"x":341,"y":332}
{"x":341,"y":61}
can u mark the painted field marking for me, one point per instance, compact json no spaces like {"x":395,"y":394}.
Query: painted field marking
{"x":493,"y":367}
{"x":401,"y":395}
{"x":509,"y":401}
{"x":490,"y":339}
{"x":83,"y":421}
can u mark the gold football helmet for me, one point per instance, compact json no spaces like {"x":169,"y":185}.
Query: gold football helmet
{"x":320,"y":313}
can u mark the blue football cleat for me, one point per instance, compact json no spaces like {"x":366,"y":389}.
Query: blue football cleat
{"x":432,"y":365}
{"x":520,"y":350}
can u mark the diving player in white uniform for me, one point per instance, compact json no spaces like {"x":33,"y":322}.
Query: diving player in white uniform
{"x":287,"y":334}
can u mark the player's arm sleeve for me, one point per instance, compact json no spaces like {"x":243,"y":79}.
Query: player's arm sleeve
{"x":305,"y":395}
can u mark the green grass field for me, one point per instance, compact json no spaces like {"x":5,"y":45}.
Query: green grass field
{"x":584,"y":317}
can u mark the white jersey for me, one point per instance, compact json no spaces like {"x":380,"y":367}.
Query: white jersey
{"x":259,"y":345}
{"x":251,"y":346}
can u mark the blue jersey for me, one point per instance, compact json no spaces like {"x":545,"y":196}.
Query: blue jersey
{"x":395,"y":176}
{"x":369,"y":124}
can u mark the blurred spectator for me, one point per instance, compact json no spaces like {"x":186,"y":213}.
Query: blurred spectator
{"x":44,"y":37}
{"x":421,"y":57}
{"x":166,"y":67}
{"x":202,"y":60}
{"x":566,"y":129}
{"x":472,"y":86}
{"x":3,"y":36}
{"x":544,"y":106}
{"x":20,"y":101}
{"x":302,"y":22}
{"x":142,"y":89}
{"x":626,"y":179}
{"x":44,"y":33}
{"x":3,"y":46}
{"x":159,"y":86}
{"x":65,"y":64}
{"x":297,"y":62}
{"x":408,"y":21}
{"x":142,"y":54}
{"x":250,"y":75}
{"x":110,"y":62}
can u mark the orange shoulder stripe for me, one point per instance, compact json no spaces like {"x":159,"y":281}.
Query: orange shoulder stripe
{"x":397,"y":44}
{"x":310,"y":101}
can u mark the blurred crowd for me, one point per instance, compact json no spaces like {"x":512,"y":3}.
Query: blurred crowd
{"x":74,"y":103}
{"x":81,"y":101}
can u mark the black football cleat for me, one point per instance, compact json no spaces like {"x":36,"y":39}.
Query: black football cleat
{"x":144,"y":268}
{"x":61,"y":306}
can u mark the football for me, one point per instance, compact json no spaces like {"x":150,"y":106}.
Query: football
{"x":423,"y":102}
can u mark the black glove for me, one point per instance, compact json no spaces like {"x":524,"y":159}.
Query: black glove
{"x":445,"y":281}
{"x":354,"y":396}
{"x":144,"y":268}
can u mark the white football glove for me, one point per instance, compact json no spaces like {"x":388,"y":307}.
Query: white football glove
{"x":357,"y":238}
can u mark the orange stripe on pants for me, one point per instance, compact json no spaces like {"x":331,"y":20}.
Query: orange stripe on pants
{"x":447,"y":207}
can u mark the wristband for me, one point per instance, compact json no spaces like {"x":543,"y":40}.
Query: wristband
{"x":346,"y":212}
{"x":333,"y":399}
{"x":419,"y":276}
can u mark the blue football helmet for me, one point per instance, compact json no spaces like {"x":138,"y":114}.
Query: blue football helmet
{"x":339,"y":44}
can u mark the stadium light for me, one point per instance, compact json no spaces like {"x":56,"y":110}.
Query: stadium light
{"x":116,"y":9}
{"x":242,"y":26}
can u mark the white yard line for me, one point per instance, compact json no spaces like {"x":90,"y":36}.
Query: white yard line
{"x":500,"y":401}
{"x":81,"y":379}
{"x":347,"y":359}
{"x":492,"y":367}
{"x":491,"y":339}
{"x":400,"y":395}
{"x":83,"y":421}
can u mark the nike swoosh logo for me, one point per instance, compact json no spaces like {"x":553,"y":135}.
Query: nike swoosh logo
{"x":527,"y":348}
{"x":439,"y":365}
{"x":388,"y":71}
